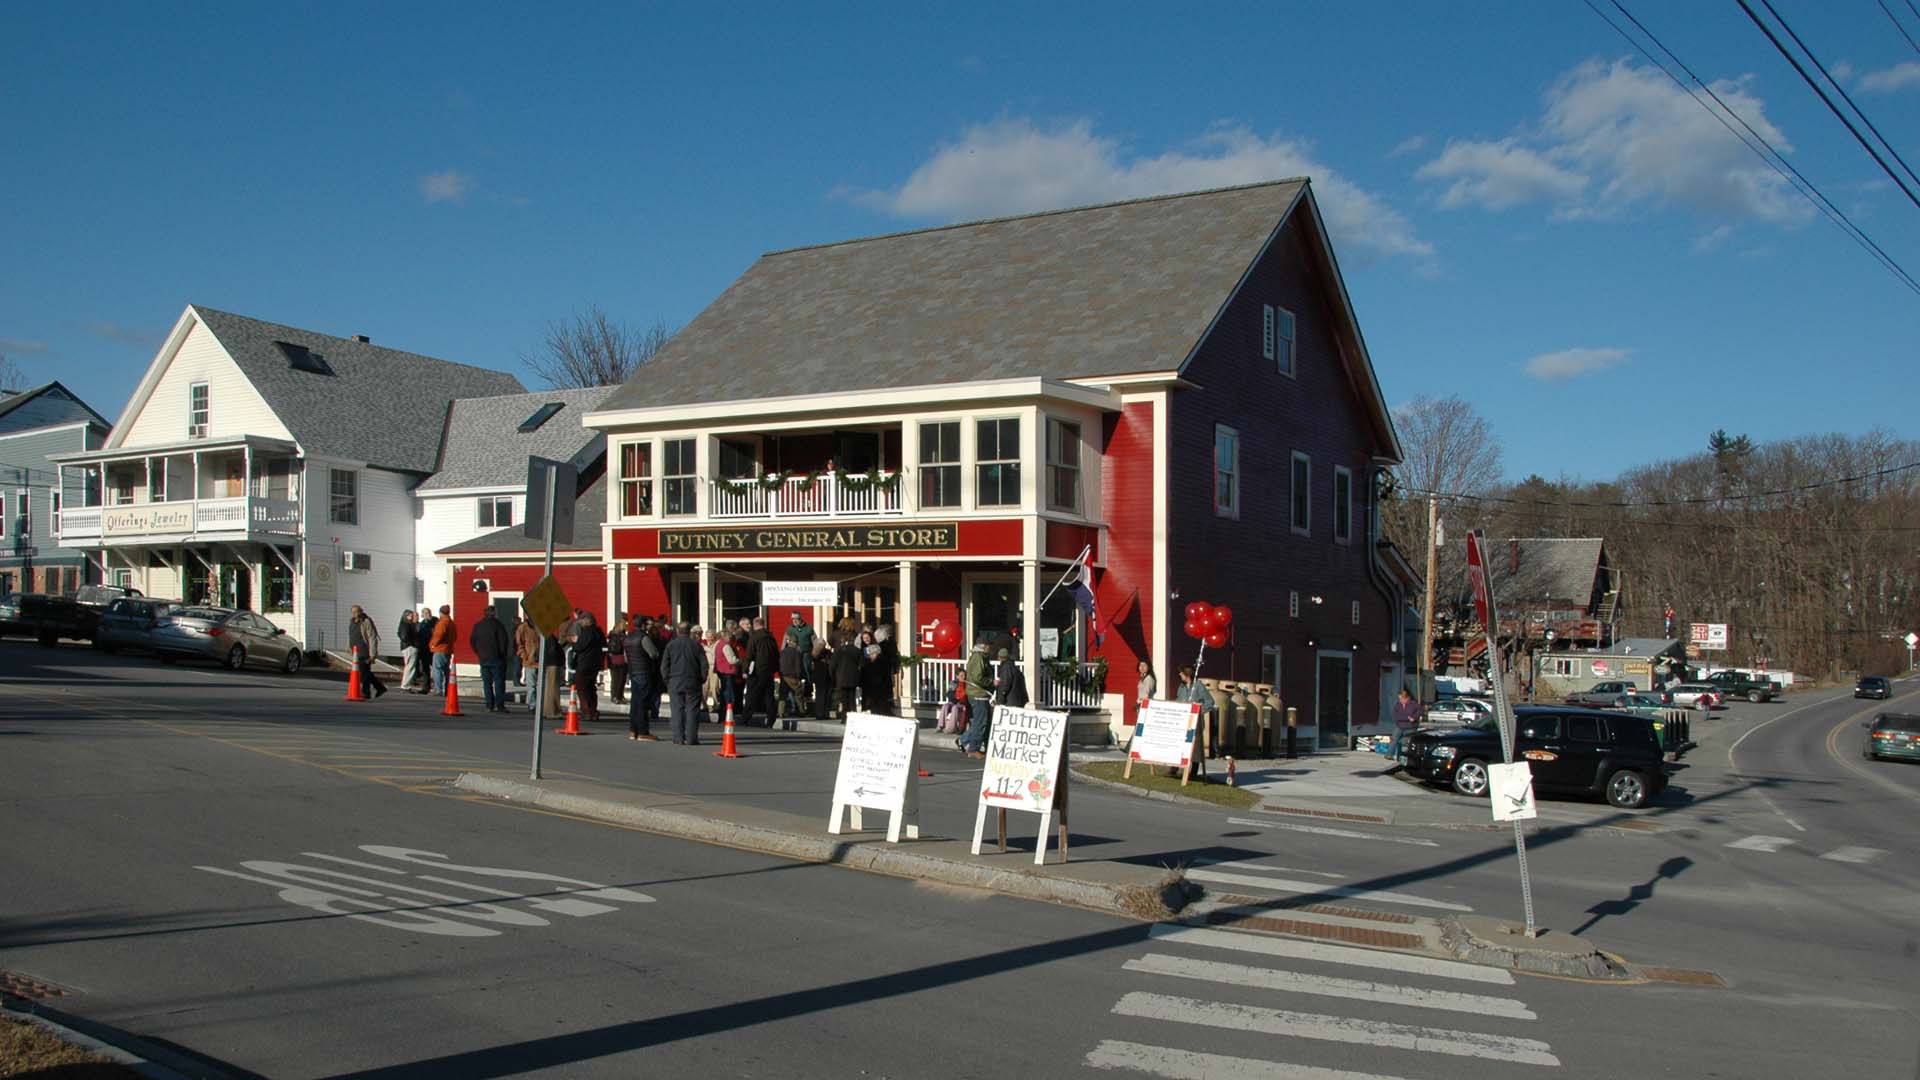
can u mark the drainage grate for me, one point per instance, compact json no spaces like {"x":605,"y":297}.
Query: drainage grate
{"x":1682,"y":976}
{"x":1352,"y":935}
{"x":1639,"y":825}
{"x":14,"y":984}
{"x":1340,"y":815}
{"x":1318,"y":909}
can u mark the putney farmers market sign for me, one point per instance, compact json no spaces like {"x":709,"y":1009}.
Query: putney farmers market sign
{"x":922,"y":536}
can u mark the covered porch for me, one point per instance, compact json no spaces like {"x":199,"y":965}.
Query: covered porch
{"x":844,"y":472}
{"x":247,"y":488}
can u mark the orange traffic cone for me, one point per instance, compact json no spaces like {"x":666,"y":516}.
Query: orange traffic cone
{"x":573,"y":714}
{"x":355,"y":692}
{"x":726,"y":738}
{"x":453,"y":695}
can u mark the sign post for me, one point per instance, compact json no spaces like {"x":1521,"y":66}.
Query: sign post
{"x":1026,"y":770}
{"x":877,"y":771}
{"x":1163,"y":735}
{"x":1503,"y":710}
{"x":551,"y":485}
{"x":1912,"y":639}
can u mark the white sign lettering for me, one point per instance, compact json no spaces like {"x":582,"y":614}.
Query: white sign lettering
{"x":146,"y":519}
{"x":877,"y":772}
{"x":1511,"y":787}
{"x":1707,"y":635}
{"x":799,"y":593}
{"x":1025,"y":749}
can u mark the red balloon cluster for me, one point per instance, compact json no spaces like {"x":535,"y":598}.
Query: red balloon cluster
{"x":946,"y":637}
{"x":1209,"y":623}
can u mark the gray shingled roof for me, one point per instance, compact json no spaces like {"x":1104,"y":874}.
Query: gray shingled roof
{"x":381,"y":406}
{"x":19,"y":399}
{"x":590,"y":512}
{"x":1105,"y":290}
{"x":1560,"y":569}
{"x":485,"y":448}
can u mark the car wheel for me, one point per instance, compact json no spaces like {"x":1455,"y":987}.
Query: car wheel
{"x":1756,"y":696}
{"x":1627,"y":790}
{"x":236,"y":658}
{"x":1470,"y":778}
{"x":291,"y":665}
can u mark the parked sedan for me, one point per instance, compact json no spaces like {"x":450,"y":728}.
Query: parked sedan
{"x":234,"y":638}
{"x":129,"y":623}
{"x":1894,"y":736}
{"x":1456,"y":711}
{"x":1700,"y":696}
{"x":1873,"y":686}
{"x":1568,"y":749}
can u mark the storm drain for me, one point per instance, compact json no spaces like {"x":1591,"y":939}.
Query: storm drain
{"x":1317,"y":909}
{"x":1352,"y":935}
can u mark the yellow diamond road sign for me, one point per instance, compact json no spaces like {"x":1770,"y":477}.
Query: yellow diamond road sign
{"x":546,"y":604}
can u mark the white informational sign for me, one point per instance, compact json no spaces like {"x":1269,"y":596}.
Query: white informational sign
{"x":877,"y":772}
{"x":1163,"y":734}
{"x":1025,"y":751}
{"x":1602,"y":669}
{"x":1511,"y":787}
{"x":1704,"y":635}
{"x":799,"y":593}
{"x":1049,"y":642}
{"x":1912,"y":639}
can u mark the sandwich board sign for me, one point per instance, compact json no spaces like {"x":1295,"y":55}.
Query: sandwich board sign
{"x":877,"y":771}
{"x":1026,"y":770}
{"x":1163,"y":735}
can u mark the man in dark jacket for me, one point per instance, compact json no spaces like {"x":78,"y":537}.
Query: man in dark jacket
{"x":1011,"y":687}
{"x":820,"y":678}
{"x":793,"y":677}
{"x":643,"y":680}
{"x":876,"y":680}
{"x":423,"y":637}
{"x":589,"y":656}
{"x":492,"y":645}
{"x":683,"y":667}
{"x":847,"y":663}
{"x":763,"y":666}
{"x":364,"y":638}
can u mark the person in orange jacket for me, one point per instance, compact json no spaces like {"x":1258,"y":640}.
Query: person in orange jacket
{"x":441,"y":644}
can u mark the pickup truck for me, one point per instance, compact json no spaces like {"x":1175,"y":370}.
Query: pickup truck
{"x":1734,"y":684}
{"x":49,"y":618}
{"x":1603,"y":695}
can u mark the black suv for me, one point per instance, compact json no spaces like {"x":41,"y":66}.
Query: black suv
{"x":1873,"y":686}
{"x":1575,"y":750}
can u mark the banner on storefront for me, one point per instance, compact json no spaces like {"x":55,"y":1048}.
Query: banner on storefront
{"x":147,"y":519}
{"x":799,"y":593}
{"x":812,"y":539}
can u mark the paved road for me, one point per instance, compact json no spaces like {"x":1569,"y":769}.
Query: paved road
{"x":239,"y":865}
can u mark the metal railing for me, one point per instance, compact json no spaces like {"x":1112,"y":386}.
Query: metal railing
{"x":819,"y":495}
{"x":930,"y":679}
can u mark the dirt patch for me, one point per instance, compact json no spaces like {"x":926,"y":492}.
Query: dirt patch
{"x":30,"y":1050}
{"x":1146,"y":778}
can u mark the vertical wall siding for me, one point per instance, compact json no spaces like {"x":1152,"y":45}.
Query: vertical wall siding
{"x":1124,"y":589}
{"x":584,"y":583}
{"x":1253,"y":563}
{"x":384,"y":532}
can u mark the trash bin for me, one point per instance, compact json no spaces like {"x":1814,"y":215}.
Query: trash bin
{"x":1238,"y":718}
{"x":1259,"y":737}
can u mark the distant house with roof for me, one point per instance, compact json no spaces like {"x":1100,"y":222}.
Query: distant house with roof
{"x":479,"y":492}
{"x":933,"y":426}
{"x":35,"y":425}
{"x":270,"y":468}
{"x":1558,"y":591}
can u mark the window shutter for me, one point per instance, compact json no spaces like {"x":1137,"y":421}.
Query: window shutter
{"x":1266,"y":331}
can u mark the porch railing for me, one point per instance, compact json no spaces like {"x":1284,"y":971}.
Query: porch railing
{"x":820,"y":495}
{"x":273,"y":517}
{"x":930,"y":680}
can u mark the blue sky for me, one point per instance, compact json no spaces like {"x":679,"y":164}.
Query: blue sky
{"x":1527,"y":213}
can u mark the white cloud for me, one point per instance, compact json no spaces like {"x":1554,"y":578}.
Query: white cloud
{"x":1012,"y":167}
{"x":449,"y":186}
{"x":21,"y":345}
{"x":1898,"y":77}
{"x":1614,"y":138}
{"x":1841,"y":71}
{"x":1499,"y":176}
{"x":1712,"y":241}
{"x":1574,"y":363}
{"x":1412,"y":144}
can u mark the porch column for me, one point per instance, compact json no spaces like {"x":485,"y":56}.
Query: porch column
{"x":1029,"y":628}
{"x":707,"y":616}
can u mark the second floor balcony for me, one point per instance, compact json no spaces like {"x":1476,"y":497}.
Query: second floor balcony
{"x":233,"y":490}
{"x":826,"y":494}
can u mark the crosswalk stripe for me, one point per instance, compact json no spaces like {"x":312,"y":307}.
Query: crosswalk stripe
{"x":1328,"y":954}
{"x":1342,"y":1029}
{"x":1324,"y":830}
{"x":1854,"y":854}
{"x":1317,"y":888}
{"x":1768,"y":844}
{"x":1193,"y":1065}
{"x":1329,"y":986}
{"x":1242,"y":864}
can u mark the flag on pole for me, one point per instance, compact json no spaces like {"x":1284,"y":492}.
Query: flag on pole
{"x":1082,"y":591}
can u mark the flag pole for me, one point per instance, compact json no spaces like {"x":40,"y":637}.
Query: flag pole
{"x":1079,"y":563}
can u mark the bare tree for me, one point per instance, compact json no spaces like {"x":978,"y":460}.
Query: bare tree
{"x":588,"y":348}
{"x":1449,"y":449}
{"x":11,"y":377}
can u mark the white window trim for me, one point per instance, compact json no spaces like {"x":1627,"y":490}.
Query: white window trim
{"x":5,"y":524}
{"x":978,"y":504}
{"x":331,"y":496}
{"x":693,"y":473}
{"x":494,"y":501}
{"x":1284,"y":358}
{"x":201,"y":429}
{"x":1079,"y":470}
{"x":1294,"y":482}
{"x":652,"y":478}
{"x":1266,"y":331}
{"x":958,"y":464}
{"x":55,"y":523}
{"x":25,"y":511}
{"x":1219,"y":510}
{"x":1338,"y":472}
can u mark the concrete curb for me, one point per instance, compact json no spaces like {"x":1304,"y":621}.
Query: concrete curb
{"x":1082,"y":776}
{"x":118,"y":1047}
{"x":1479,"y":939}
{"x":1133,"y":901}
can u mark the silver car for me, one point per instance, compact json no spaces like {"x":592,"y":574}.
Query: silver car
{"x":234,"y":638}
{"x":129,"y":623}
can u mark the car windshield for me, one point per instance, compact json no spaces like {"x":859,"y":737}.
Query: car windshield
{"x":1908,"y":724}
{"x":1873,"y":680}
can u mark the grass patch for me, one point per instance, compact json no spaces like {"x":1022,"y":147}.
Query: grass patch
{"x":1148,"y":778}
{"x":30,"y":1050}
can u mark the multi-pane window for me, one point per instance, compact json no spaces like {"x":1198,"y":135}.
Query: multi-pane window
{"x":343,"y":497}
{"x":1342,"y":504}
{"x":1283,"y":340}
{"x":1063,"y":465}
{"x":940,"y":463}
{"x":1302,"y":493}
{"x":1226,"y":471}
{"x":279,"y":588}
{"x":636,"y":479}
{"x":679,"y":481}
{"x":198,"y":412}
{"x":26,"y":512}
{"x":496,"y":511}
{"x":997,"y":461}
{"x":56,"y":510}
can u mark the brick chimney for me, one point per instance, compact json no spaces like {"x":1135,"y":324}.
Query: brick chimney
{"x":1513,"y":557}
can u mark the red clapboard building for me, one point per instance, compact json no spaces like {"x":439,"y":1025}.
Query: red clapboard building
{"x":930,"y":427}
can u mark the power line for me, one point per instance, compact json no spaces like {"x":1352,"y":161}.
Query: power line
{"x":1844,"y":96}
{"x":1824,"y":99}
{"x":1898,"y":25}
{"x":1770,"y":156}
{"x":1837,"y":481}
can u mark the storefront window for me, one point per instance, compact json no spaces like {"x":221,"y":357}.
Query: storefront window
{"x":279,"y":588}
{"x":940,"y":463}
{"x":680,"y":481}
{"x":996,"y":609}
{"x":636,"y":479}
{"x":997,"y":458}
{"x":195,"y":590}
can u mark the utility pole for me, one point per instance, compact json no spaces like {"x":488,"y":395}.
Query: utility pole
{"x":1426,"y":613}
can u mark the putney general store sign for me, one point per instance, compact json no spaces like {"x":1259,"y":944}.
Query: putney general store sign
{"x":922,"y":536}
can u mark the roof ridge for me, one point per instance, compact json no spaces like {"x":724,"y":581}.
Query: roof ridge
{"x":538,"y":393}
{"x":951,"y":226}
{"x":204,"y":310}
